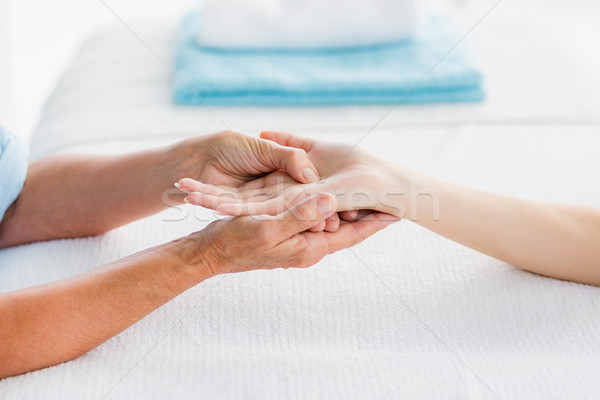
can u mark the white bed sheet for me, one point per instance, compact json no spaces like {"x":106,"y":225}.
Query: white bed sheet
{"x":406,"y":314}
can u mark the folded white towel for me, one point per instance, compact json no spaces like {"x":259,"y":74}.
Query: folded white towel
{"x":305,"y":24}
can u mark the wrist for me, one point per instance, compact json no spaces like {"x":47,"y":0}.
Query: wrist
{"x":415,"y":193}
{"x":390,"y":183}
{"x":199,"y":258}
{"x":187,"y":158}
{"x":184,"y":159}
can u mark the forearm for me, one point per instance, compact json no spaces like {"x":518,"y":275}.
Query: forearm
{"x":56,"y":322}
{"x":560,"y":241}
{"x":73,"y":195}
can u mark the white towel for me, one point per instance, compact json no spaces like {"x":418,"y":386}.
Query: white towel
{"x":305,"y":24}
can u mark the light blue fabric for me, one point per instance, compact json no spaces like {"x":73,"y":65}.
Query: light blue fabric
{"x":13,"y":169}
{"x":407,"y":72}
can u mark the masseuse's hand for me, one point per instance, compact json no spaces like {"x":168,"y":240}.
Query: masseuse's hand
{"x":358,"y":180}
{"x":232,"y":159}
{"x":248,"y":243}
{"x":71,"y":195}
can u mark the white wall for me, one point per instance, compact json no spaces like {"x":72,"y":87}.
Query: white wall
{"x":38,"y":39}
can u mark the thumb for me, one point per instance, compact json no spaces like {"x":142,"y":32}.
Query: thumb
{"x":287,"y":139}
{"x":293,"y":161}
{"x":305,"y":214}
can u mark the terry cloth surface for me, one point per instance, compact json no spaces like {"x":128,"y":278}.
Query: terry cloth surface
{"x":406,"y":314}
{"x":422,"y":70}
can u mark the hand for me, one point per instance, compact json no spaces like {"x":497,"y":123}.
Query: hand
{"x":358,"y":180}
{"x":248,"y":243}
{"x":232,"y":159}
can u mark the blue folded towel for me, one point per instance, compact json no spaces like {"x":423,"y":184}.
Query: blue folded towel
{"x":384,"y":74}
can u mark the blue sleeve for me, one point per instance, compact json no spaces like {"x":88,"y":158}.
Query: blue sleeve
{"x":13,"y":169}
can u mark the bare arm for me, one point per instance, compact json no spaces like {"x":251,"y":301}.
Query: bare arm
{"x":49,"y":324}
{"x":69,"y":196}
{"x":556,"y":240}
{"x":560,"y":241}
{"x":81,"y":195}
{"x":77,"y":195}
{"x":56,"y":322}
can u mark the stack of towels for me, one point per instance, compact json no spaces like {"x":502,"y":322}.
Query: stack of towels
{"x":319,"y":52}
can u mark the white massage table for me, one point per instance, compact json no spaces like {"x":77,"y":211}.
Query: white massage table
{"x":406,"y":314}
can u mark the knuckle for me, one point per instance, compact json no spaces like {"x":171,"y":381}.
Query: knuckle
{"x":296,"y":156}
{"x":304,"y":213}
{"x":222,"y":135}
{"x":225,"y":136}
{"x":299,"y":153}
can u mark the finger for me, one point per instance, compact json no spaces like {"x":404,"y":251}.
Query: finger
{"x":369,"y":215}
{"x":332,"y":224}
{"x":270,"y":207}
{"x":363,"y":213}
{"x":349,"y":216}
{"x":190,"y":185}
{"x":207,"y":200}
{"x":287,"y":139}
{"x":292,"y":160}
{"x":305,"y":214}
{"x":320,"y":227}
{"x":263,"y":204}
{"x":353,"y":233}
{"x":317,"y":245}
{"x":353,"y":215}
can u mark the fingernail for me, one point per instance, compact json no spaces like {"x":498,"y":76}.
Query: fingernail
{"x":176,"y":184}
{"x":185,"y":200}
{"x":325,"y":205}
{"x":309,"y":175}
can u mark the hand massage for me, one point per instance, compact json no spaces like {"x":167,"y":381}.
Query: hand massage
{"x":276,"y":200}
{"x":299,"y":219}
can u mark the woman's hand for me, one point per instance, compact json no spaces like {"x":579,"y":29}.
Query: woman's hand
{"x":83,"y":195}
{"x":359,"y":181}
{"x":232,"y":159}
{"x":248,"y":243}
